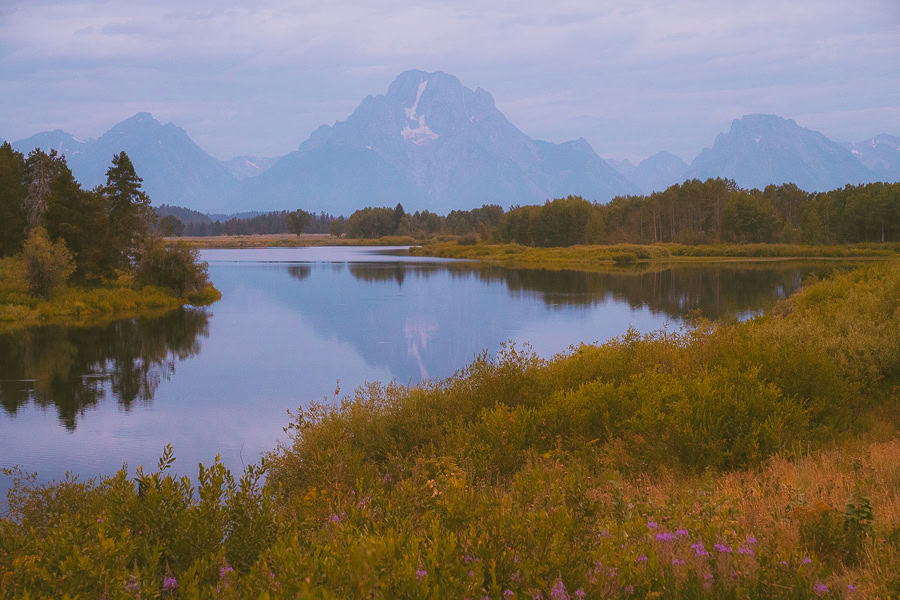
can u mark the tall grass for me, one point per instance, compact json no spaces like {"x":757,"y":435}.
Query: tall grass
{"x":737,"y":460}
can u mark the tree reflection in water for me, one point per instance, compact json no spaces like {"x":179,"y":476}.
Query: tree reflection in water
{"x":74,"y":368}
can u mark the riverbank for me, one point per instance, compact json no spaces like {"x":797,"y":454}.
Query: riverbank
{"x":285,"y":240}
{"x":588,"y":257}
{"x":75,"y":305}
{"x":757,"y":459}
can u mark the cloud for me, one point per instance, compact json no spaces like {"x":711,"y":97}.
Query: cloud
{"x":633,"y":77}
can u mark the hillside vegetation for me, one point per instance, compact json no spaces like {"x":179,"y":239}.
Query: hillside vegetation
{"x":738,"y":460}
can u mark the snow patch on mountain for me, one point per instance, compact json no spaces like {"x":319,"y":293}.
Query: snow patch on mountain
{"x":421,"y":133}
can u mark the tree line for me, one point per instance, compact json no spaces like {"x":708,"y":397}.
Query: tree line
{"x":712,"y":211}
{"x":178,"y":221}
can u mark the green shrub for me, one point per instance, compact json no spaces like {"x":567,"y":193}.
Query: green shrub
{"x":621,"y":258}
{"x":48,"y":265}
{"x":177,"y":268}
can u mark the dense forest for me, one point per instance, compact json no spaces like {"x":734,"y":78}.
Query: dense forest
{"x":61,"y":231}
{"x":713,"y":211}
{"x":177,"y":221}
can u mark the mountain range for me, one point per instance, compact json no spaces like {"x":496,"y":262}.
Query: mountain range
{"x":432,"y":143}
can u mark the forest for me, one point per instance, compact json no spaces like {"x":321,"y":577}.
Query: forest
{"x":54,"y":233}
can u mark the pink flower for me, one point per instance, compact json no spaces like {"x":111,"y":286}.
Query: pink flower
{"x":420,"y":574}
{"x":170,"y":584}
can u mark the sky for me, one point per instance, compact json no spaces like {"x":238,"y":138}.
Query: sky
{"x":633,"y":77}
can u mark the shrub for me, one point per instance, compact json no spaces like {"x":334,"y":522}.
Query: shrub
{"x":176,"y":268}
{"x":48,"y":265}
{"x":469,"y":239}
{"x":622,"y":258}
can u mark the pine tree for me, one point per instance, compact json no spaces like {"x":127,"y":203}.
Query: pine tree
{"x":12,"y":197}
{"x":128,"y":208}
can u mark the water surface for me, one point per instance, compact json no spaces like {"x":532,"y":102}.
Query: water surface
{"x":294,"y":322}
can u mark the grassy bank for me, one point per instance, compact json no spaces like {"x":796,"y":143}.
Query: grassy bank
{"x":744,"y":460}
{"x":583,"y":257}
{"x":286,"y":240}
{"x":76,"y":305}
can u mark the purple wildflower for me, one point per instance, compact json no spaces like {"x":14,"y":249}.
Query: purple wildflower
{"x":508,"y":593}
{"x":334,"y":518}
{"x":225,"y":571}
{"x":629,"y":589}
{"x":99,"y":519}
{"x":471,"y":573}
{"x":682,"y":533}
{"x":642,"y":558}
{"x":745,"y":550}
{"x":558,"y":591}
{"x":664,"y":536}
{"x":579,"y":593}
{"x":851,"y":587}
{"x":467,"y":559}
{"x":652,"y":525}
{"x":751,"y":540}
{"x":806,"y":560}
{"x":722,"y":548}
{"x":784,"y":563}
{"x":677,"y":561}
{"x":516,"y":578}
{"x":169,"y":584}
{"x":698,"y":549}
{"x":820,"y":589}
{"x":387,"y":478}
{"x":708,"y":577}
{"x":420,"y":574}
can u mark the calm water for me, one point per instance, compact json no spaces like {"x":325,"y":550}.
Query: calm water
{"x":291,"y":323}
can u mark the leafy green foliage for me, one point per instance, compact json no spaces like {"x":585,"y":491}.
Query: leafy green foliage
{"x":177,"y":268}
{"x":47,"y":265}
{"x":297,"y":221}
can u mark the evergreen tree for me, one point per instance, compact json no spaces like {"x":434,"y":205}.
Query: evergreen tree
{"x":128,"y":209}
{"x":12,"y":196}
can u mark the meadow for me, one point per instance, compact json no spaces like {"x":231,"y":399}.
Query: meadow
{"x":755,"y":459}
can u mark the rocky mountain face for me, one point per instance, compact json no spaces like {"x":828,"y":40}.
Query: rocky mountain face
{"x":242,"y":167}
{"x":430,"y":143}
{"x":654,"y":174}
{"x":175,"y":169}
{"x":765,"y":149}
{"x":880,"y":154}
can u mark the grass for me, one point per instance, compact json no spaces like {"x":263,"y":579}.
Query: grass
{"x":735,"y":460}
{"x":589,"y":257}
{"x":77,"y":305}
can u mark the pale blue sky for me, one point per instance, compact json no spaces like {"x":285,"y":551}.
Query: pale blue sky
{"x":631,"y":76}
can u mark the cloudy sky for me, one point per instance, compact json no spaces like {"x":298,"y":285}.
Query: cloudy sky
{"x":631,"y":76}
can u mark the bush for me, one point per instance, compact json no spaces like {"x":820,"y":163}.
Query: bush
{"x":47,"y":265}
{"x":177,"y":268}
{"x":622,"y":258}
{"x":469,"y":239}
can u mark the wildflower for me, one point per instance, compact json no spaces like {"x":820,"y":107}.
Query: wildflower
{"x":820,"y":589}
{"x":558,"y":591}
{"x":682,"y":533}
{"x":851,"y":587}
{"x":708,"y":577}
{"x":225,"y":571}
{"x":467,"y":559}
{"x":387,"y":478}
{"x":516,"y":559}
{"x":579,"y":593}
{"x":677,"y":561}
{"x":508,"y":593}
{"x":745,"y":550}
{"x":699,"y":549}
{"x":516,"y":578}
{"x":652,"y":525}
{"x":420,"y":574}
{"x":806,"y":560}
{"x":629,"y":589}
{"x":99,"y":519}
{"x":642,"y":558}
{"x":334,"y":518}
{"x":664,"y":536}
{"x":784,"y":563}
{"x":751,"y":540}
{"x":722,"y":548}
{"x":170,"y":584}
{"x":471,"y":573}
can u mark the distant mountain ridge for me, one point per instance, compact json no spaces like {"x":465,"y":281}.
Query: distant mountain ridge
{"x":881,"y":154}
{"x":434,"y":144}
{"x":766,"y":149}
{"x":175,"y":169}
{"x":431,"y":143}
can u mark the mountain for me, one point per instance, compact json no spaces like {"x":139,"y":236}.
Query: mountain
{"x":654,"y":174}
{"x":242,"y":167}
{"x":175,"y":169}
{"x":880,"y":154}
{"x":767,"y":149}
{"x":430,"y":143}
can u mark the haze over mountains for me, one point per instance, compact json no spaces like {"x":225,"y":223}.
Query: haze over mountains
{"x":432,"y":143}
